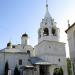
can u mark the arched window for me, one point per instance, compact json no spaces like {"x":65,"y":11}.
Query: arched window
{"x":28,"y":51}
{"x":46,"y":32}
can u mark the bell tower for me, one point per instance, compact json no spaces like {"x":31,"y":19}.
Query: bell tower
{"x":48,"y":30}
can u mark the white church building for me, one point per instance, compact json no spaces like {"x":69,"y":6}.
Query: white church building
{"x":71,"y":40}
{"x":44,"y":58}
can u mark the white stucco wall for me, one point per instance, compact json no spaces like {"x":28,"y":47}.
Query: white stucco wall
{"x":13,"y":60}
{"x":2,"y":63}
{"x":71,"y":41}
{"x":50,"y":48}
{"x":52,"y":51}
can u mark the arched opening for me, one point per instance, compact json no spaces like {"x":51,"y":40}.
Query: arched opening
{"x":46,"y":32}
{"x":54,"y":31}
{"x":28,"y":52}
{"x":44,"y":69}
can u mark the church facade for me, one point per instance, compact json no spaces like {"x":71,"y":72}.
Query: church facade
{"x":48,"y":55}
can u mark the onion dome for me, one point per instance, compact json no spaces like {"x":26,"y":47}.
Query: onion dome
{"x":8,"y":44}
{"x":25,"y":35}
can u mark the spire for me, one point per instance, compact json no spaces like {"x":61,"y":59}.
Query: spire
{"x":47,"y":15}
{"x":46,"y":5}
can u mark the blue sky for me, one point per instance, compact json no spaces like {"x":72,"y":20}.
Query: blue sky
{"x":20,"y":16}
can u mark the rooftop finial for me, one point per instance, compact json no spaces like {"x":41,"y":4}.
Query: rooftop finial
{"x":47,"y":15}
{"x":68,"y":23}
{"x":47,"y":4}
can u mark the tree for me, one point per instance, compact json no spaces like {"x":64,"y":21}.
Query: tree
{"x":69,"y":66}
{"x":6,"y":68}
{"x":16,"y":71}
{"x":58,"y":71}
{"x":61,"y":71}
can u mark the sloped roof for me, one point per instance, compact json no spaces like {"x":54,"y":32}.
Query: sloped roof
{"x":17,"y":49}
{"x":70,"y":27}
{"x":12,"y":51}
{"x":39,"y":61}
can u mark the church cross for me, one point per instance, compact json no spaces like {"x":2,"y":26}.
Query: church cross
{"x":46,"y":2}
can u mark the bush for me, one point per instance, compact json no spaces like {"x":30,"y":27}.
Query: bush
{"x":16,"y":71}
{"x":6,"y":68}
{"x":69,"y":66}
{"x":58,"y":71}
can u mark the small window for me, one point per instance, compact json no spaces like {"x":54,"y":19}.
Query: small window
{"x":59,"y":59}
{"x":45,"y":23}
{"x":49,"y":46}
{"x":20,"y":62}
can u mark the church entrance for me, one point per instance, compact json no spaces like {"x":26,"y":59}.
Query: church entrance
{"x":44,"y":70}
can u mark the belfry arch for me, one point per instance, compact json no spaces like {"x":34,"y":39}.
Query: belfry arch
{"x":46,"y":32}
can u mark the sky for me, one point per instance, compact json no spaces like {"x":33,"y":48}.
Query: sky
{"x":20,"y":16}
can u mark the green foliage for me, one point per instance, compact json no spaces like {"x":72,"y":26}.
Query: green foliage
{"x":58,"y":71}
{"x":16,"y":71}
{"x":69,"y":68}
{"x":6,"y":68}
